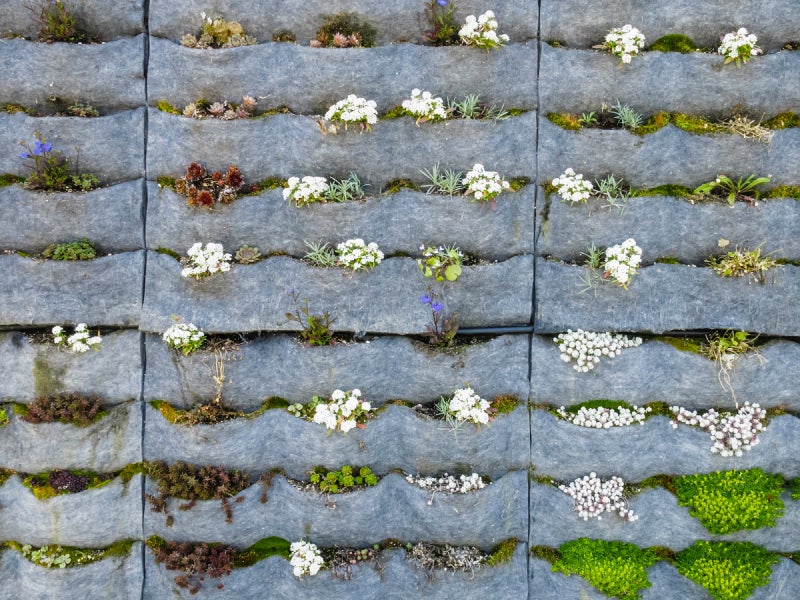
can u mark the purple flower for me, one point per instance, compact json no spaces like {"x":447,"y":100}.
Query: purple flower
{"x":425,"y":299}
{"x":437,"y":307}
{"x":24,"y":155}
{"x":442,"y":2}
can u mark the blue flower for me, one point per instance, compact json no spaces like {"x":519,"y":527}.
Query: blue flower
{"x":425,"y":299}
{"x":24,"y":155}
{"x":40,"y":148}
{"x":442,"y":2}
{"x":437,"y":307}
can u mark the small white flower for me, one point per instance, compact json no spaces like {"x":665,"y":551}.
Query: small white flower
{"x":305,"y":190}
{"x":739,"y":46}
{"x":622,"y":261}
{"x":482,"y":32}
{"x":484,"y":185}
{"x":424,"y":106}
{"x":305,"y":559}
{"x":353,"y":110}
{"x":204,"y":262}
{"x":355,"y":254}
{"x":624,"y":42}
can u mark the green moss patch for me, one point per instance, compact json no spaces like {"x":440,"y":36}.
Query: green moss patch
{"x":565,"y":120}
{"x":263,"y":548}
{"x":674,"y":42}
{"x":783,"y":191}
{"x":214,"y":412}
{"x":782,"y":121}
{"x":728,"y":501}
{"x":728,"y":570}
{"x":671,"y":190}
{"x":617,"y":569}
{"x":60,"y":557}
{"x":54,"y":483}
{"x":505,"y":404}
{"x":166,"y":107}
{"x":654,"y":123}
{"x":502,"y":553}
{"x":9,"y":179}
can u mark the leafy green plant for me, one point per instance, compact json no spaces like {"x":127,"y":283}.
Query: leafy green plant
{"x":587,"y":119}
{"x":442,"y":29}
{"x":345,"y":190}
{"x":320,"y":254}
{"x":738,"y":263}
{"x":50,"y":169}
{"x":626,"y":116}
{"x":442,"y":263}
{"x":196,"y":561}
{"x":315,"y":329}
{"x":345,"y":30}
{"x":724,"y":187}
{"x":728,"y":570}
{"x":3,"y":418}
{"x":442,"y":181}
{"x":81,"y":250}
{"x":60,"y":557}
{"x":617,"y":569}
{"x":55,"y":22}
{"x":442,"y":329}
{"x":343,"y":480}
{"x":218,"y":33}
{"x":75,"y":409}
{"x":193,"y":483}
{"x":471,"y":107}
{"x":247,"y":255}
{"x":728,"y":501}
{"x":729,"y":342}
{"x":613,"y":191}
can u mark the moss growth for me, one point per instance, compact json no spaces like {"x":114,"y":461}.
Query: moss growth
{"x":263,"y":548}
{"x":547,"y":553}
{"x":674,"y":42}
{"x":130,"y":471}
{"x":517,"y":183}
{"x":214,"y":412}
{"x":166,"y":107}
{"x":667,"y":260}
{"x":502,"y":553}
{"x":505,"y":404}
{"x":782,"y":121}
{"x":695,"y":124}
{"x":728,"y":570}
{"x":4,"y":475}
{"x":3,"y":418}
{"x":670,"y":189}
{"x":395,"y":185}
{"x":653,"y":124}
{"x":166,"y":182}
{"x":284,"y":35}
{"x":566,"y":121}
{"x":515,"y":112}
{"x":54,"y":483}
{"x":794,"y":487}
{"x":9,"y":179}
{"x":728,"y":501}
{"x":614,"y":404}
{"x":19,"y":108}
{"x":784,"y":191}
{"x":169,"y":252}
{"x":47,"y":378}
{"x":681,"y":344}
{"x":663,"y":481}
{"x":59,"y":557}
{"x":395,"y":113}
{"x":617,"y":569}
{"x":270,"y":183}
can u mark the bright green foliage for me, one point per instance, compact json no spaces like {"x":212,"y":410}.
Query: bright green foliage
{"x":738,"y":263}
{"x":654,"y":123}
{"x":695,"y":124}
{"x":263,"y":548}
{"x":3,"y":418}
{"x":728,"y":501}
{"x":674,"y":42}
{"x":55,"y":21}
{"x":617,"y":569}
{"x":82,"y":250}
{"x":728,"y":570}
{"x":794,"y":486}
{"x":166,"y":107}
{"x":783,"y":120}
{"x":502,"y":553}
{"x":442,"y":263}
{"x":670,"y":189}
{"x":505,"y":404}
{"x":780,"y":191}
{"x":336,"y":482}
{"x":566,"y":120}
{"x":730,"y":190}
{"x":61,"y":557}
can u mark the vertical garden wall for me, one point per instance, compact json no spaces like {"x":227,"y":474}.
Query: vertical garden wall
{"x":133,"y":469}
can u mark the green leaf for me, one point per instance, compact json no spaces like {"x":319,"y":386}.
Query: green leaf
{"x":452,"y":272}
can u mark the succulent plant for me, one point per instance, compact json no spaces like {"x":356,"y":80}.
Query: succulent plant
{"x":247,"y":255}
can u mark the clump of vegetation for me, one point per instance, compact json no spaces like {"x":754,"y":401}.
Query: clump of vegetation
{"x":247,"y":255}
{"x":54,"y":483}
{"x":502,"y":553}
{"x":315,"y":329}
{"x":794,"y":488}
{"x":617,"y":569}
{"x":55,"y":22}
{"x":75,"y":409}
{"x":225,"y":111}
{"x":61,"y":557}
{"x":50,"y":169}
{"x":343,"y":480}
{"x":566,"y":120}
{"x":674,"y":42}
{"x":204,"y":189}
{"x":204,"y":414}
{"x":738,"y":263}
{"x":193,"y":483}
{"x":729,"y":501}
{"x":431,"y":557}
{"x":3,"y":418}
{"x":284,"y":35}
{"x":471,"y":107}
{"x":783,"y":120}
{"x":442,"y":28}
{"x":724,"y":187}
{"x":81,"y":250}
{"x":263,"y":548}
{"x":340,"y":561}
{"x":345,"y":30}
{"x":728,"y":570}
{"x":441,"y":331}
{"x":196,"y":561}
{"x":218,"y":33}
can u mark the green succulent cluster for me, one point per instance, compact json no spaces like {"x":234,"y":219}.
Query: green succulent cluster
{"x":346,"y":478}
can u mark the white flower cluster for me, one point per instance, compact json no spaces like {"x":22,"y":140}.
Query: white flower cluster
{"x":424,"y":106}
{"x":306,"y":558}
{"x":343,"y":411}
{"x":483,"y":185}
{"x":573,"y":187}
{"x":354,"y":110}
{"x":586,"y":348}
{"x":466,"y":405}
{"x":355,"y":254}
{"x":448,"y":483}
{"x":80,"y":341}
{"x":739,"y":46}
{"x":605,"y":418}
{"x":185,"y":337}
{"x":204,"y":262}
{"x":482,"y":32}
{"x":306,"y":190}
{"x":622,"y":261}
{"x":624,"y":42}
{"x":731,"y":434}
{"x":593,"y":496}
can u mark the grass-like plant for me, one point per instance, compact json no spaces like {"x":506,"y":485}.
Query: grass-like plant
{"x":315,"y":329}
{"x":626,"y":116}
{"x":471,"y":107}
{"x":442,"y":181}
{"x":728,"y":570}
{"x":55,"y":22}
{"x":617,"y":569}
{"x":723,"y":187}
{"x":345,"y":190}
{"x":343,"y":480}
{"x":320,"y":254}
{"x":80,"y":250}
{"x":738,"y":263}
{"x":728,"y":501}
